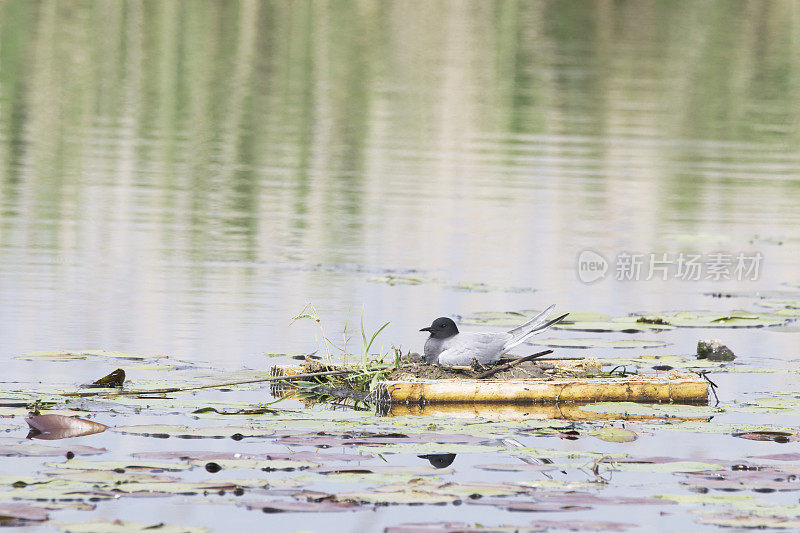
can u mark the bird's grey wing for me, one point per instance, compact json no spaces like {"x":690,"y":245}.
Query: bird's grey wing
{"x":464,"y":347}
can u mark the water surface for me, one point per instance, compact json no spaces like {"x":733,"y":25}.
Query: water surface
{"x":181,"y":178}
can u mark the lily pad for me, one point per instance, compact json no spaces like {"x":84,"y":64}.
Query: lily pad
{"x":291,"y":506}
{"x":707,"y":319}
{"x":18,"y":513}
{"x":779,"y":304}
{"x":186,"y":432}
{"x":599,"y":343}
{"x":496,"y":318}
{"x":401,"y":280}
{"x":667,"y":468}
{"x":536,"y":526}
{"x":80,"y":464}
{"x":259,"y":464}
{"x":656,"y":410}
{"x":751,"y":522}
{"x":72,"y":355}
{"x":118,"y":526}
{"x":33,"y":449}
{"x":612,"y":434}
{"x":618,"y":325}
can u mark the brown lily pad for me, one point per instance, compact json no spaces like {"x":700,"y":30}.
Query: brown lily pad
{"x":284,"y":506}
{"x":53,"y":427}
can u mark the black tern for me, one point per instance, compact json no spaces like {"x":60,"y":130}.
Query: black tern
{"x":447,"y":347}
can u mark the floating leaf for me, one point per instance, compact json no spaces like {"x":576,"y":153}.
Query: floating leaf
{"x":666,"y":468}
{"x":530,"y":505}
{"x":186,"y":432}
{"x":72,"y":355}
{"x":284,"y":506}
{"x":496,"y":318}
{"x":80,"y":464}
{"x":775,"y":436}
{"x":53,"y":427}
{"x":613,"y":434}
{"x":778,"y":457}
{"x":326,"y":440}
{"x":401,"y":280}
{"x":621,"y":326}
{"x":536,"y":526}
{"x":659,"y":410}
{"x":11,"y":513}
{"x":183,"y":488}
{"x":598,"y":343}
{"x":259,"y":464}
{"x":195,"y":455}
{"x":382,"y":469}
{"x":118,"y":526}
{"x":751,"y":522}
{"x":32,"y":449}
{"x":780,"y":304}
{"x":425,"y":490}
{"x":430,"y":448}
{"x":707,"y":319}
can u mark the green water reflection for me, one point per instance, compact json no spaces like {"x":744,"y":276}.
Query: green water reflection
{"x":151,"y":134}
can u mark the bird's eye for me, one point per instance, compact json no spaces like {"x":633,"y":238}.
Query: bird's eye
{"x":442,"y":326}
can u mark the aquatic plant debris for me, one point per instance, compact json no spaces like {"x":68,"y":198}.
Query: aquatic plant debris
{"x":51,"y":427}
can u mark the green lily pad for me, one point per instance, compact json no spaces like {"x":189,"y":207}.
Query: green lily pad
{"x":510,"y":319}
{"x":34,"y":449}
{"x":496,"y":318}
{"x":215,"y":432}
{"x":622,"y":325}
{"x":259,"y":464}
{"x":707,"y":319}
{"x":709,"y":499}
{"x":475,"y":286}
{"x":407,"y":497}
{"x":598,"y":343}
{"x":118,"y":526}
{"x":751,"y":522}
{"x":80,"y":464}
{"x":426,"y":490}
{"x":657,"y":410}
{"x":791,"y":313}
{"x":612,"y":434}
{"x":72,"y":355}
{"x":185,"y":488}
{"x":428,"y":448}
{"x":667,"y":468}
{"x":401,"y":280}
{"x":779,"y":304}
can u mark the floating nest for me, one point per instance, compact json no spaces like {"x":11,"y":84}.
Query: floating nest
{"x":534,"y":382}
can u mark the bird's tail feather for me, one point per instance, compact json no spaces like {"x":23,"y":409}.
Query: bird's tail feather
{"x":538,"y":323}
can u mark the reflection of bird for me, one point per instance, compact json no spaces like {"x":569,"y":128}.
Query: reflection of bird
{"x":448,"y":347}
{"x":439,"y":460}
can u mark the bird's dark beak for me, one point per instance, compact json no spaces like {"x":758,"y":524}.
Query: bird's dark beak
{"x":427,"y":329}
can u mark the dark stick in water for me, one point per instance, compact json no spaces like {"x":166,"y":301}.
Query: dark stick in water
{"x":212,"y":386}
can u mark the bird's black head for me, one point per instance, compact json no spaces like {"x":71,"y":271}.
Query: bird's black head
{"x":442,"y":328}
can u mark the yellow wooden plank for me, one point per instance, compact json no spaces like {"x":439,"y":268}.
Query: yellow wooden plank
{"x":526,"y":391}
